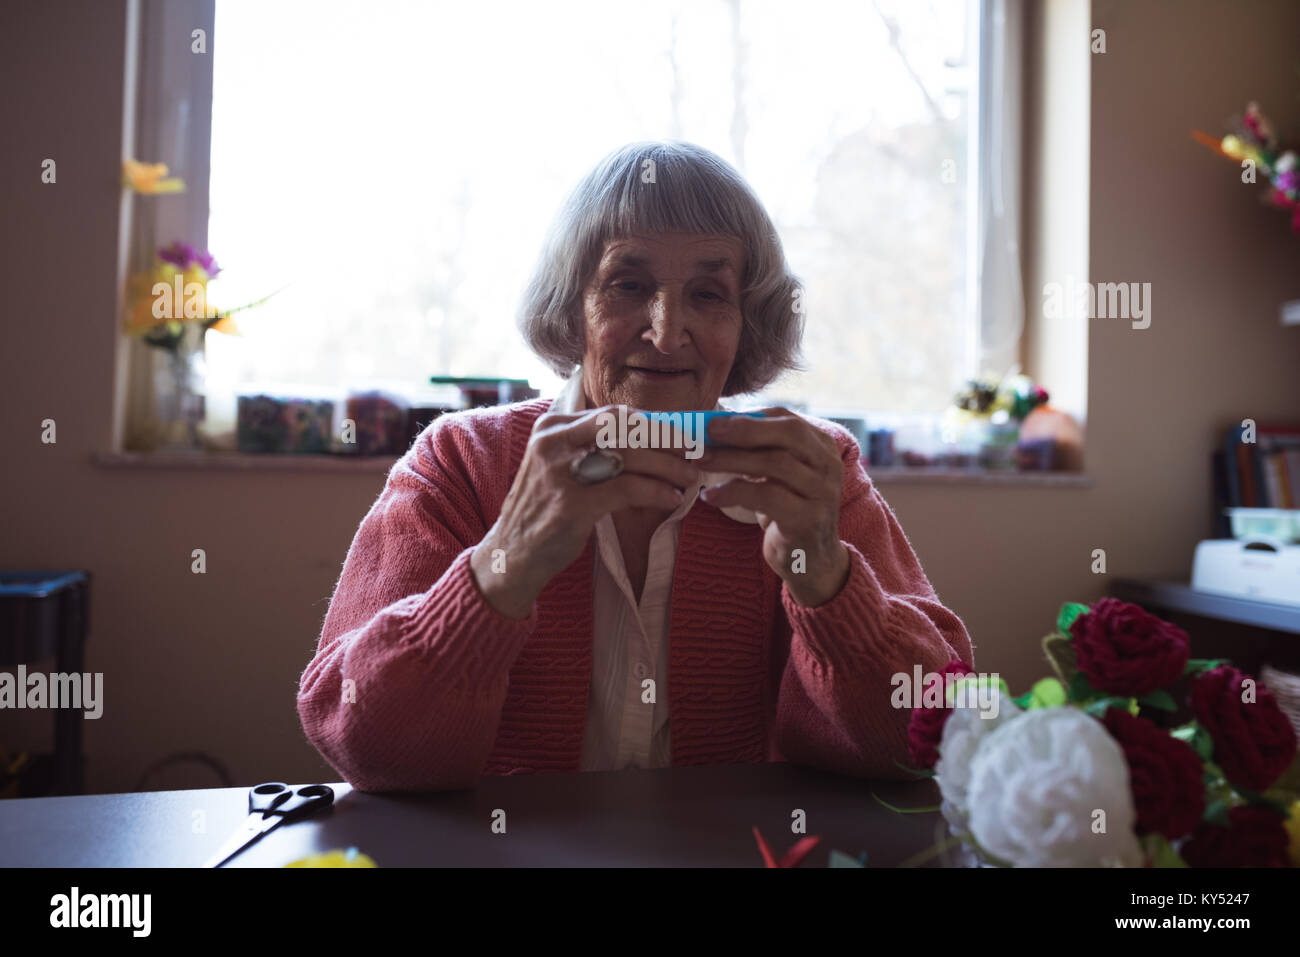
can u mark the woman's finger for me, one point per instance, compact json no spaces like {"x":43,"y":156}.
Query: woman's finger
{"x":566,"y":441}
{"x":629,"y":490}
{"x":774,"y":464}
{"x":787,"y":431}
{"x":651,"y":463}
{"x":585,"y":428}
{"x":660,"y":464}
{"x":777,"y":502}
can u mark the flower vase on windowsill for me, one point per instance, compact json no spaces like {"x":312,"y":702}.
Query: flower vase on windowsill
{"x":982,"y":426}
{"x":179,"y":371}
{"x":169,"y":309}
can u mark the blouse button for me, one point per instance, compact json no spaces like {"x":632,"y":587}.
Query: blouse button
{"x":641,"y":670}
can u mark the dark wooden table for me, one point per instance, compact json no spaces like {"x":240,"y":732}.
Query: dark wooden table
{"x":687,"y":817}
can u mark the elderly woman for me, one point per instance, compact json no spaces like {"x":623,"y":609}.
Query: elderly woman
{"x":520,"y":600}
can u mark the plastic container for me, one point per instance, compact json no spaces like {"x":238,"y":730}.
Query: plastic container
{"x":1280,"y":524}
{"x":379,"y":420}
{"x":286,"y":419}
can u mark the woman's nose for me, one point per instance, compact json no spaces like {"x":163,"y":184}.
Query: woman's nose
{"x":667,"y":321}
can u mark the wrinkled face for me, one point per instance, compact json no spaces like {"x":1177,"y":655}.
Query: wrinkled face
{"x":663,"y":320}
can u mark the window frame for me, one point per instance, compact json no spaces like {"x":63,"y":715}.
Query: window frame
{"x":169,"y":119}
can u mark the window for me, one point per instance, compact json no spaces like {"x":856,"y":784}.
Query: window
{"x":395,"y":165}
{"x":398,"y":164}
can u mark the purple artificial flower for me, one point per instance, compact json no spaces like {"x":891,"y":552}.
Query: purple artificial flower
{"x":178,"y":254}
{"x":183,"y":255}
{"x":1288,"y":182}
{"x":209,"y":264}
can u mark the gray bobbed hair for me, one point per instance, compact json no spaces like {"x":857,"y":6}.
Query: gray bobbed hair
{"x":693,"y":191}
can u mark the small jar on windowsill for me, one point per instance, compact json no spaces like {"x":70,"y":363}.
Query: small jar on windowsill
{"x":1050,"y":440}
{"x":170,"y":420}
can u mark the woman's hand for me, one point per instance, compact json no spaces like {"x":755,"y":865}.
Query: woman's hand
{"x":547,"y":516}
{"x":797,"y":496}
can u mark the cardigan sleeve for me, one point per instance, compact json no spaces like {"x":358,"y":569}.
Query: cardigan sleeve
{"x":834,"y":706}
{"x":406,"y":689}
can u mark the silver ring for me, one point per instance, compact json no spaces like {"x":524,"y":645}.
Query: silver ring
{"x":595,"y":465}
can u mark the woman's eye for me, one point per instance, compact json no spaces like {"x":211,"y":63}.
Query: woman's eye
{"x":708,"y":294}
{"x":627,"y":285}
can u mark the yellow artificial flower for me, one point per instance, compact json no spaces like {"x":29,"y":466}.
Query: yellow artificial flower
{"x":336,"y":858}
{"x":1233,"y":147}
{"x":141,"y":319}
{"x":149,"y":178}
{"x":227,"y":325}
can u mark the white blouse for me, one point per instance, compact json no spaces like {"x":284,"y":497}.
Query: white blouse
{"x":627,"y":707}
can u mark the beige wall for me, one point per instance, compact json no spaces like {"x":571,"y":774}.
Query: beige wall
{"x":211,"y":662}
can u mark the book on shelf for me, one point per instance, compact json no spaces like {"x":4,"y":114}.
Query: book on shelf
{"x":1264,"y":473}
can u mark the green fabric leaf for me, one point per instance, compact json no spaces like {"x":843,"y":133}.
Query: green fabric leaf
{"x":1023,"y":701}
{"x":1196,"y":665}
{"x":1060,"y":655}
{"x":1216,"y":785}
{"x":1099,"y":707}
{"x":1263,"y":800}
{"x":904,"y":810}
{"x":926,"y":773}
{"x":934,"y":850}
{"x":967,"y":689}
{"x":1080,"y":690}
{"x":1161,"y":699}
{"x":1161,"y":852}
{"x":1202,"y":744}
{"x":1068,"y":613}
{"x":988,"y":857}
{"x":1216,"y":812}
{"x":1046,"y":693}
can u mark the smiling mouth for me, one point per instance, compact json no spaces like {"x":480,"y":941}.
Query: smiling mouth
{"x":660,"y":373}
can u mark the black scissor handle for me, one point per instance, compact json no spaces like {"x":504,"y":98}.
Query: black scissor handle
{"x":266,"y":798}
{"x":274,"y":799}
{"x":304,"y":801}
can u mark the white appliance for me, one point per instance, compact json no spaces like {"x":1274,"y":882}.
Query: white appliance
{"x":1261,"y":568}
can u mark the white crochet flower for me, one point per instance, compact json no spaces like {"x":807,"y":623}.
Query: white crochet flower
{"x":965,"y":728}
{"x":1037,"y":785}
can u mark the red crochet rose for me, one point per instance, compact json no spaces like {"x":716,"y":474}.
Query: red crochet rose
{"x":1123,"y":650}
{"x":1164,"y":775}
{"x":1255,"y":837}
{"x":925,"y":729}
{"x":1253,"y":740}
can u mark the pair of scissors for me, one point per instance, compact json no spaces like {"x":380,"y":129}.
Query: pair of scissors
{"x":269,"y":806}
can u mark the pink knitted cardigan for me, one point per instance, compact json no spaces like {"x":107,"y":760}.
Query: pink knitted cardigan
{"x":418,"y":684}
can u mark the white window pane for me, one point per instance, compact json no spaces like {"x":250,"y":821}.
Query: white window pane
{"x":398,"y":163}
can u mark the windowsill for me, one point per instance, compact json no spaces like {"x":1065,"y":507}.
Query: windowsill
{"x":377,"y":464}
{"x":245,"y":462}
{"x":949,"y":476}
